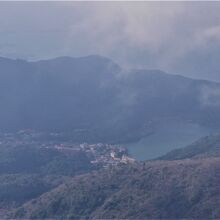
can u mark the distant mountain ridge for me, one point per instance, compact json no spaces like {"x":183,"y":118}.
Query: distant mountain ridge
{"x":101,"y":99}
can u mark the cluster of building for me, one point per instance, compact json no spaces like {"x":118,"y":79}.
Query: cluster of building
{"x":107,"y":154}
{"x":100,"y":154}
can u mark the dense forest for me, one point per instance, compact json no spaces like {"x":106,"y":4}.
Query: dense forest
{"x":93,"y":99}
{"x":162,"y":188}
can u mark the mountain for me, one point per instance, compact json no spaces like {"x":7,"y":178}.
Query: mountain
{"x":95,"y":100}
{"x":204,"y":147}
{"x":159,"y":189}
{"x":56,"y":103}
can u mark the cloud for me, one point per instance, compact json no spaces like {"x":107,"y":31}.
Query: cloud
{"x":210,"y":96}
{"x":112,"y":28}
{"x":178,"y":37}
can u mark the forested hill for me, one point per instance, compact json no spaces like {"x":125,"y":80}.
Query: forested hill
{"x":96,"y":100}
{"x":160,"y":189}
{"x":62,"y":182}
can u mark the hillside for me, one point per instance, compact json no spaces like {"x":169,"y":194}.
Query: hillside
{"x":15,"y":189}
{"x":61,"y":182}
{"x":204,"y":147}
{"x":95,"y":100}
{"x":35,"y":160}
{"x":159,"y":189}
{"x":27,"y":171}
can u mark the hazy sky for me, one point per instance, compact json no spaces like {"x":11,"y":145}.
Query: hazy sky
{"x":178,"y":37}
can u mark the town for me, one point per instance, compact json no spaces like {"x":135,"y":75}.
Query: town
{"x":100,"y":154}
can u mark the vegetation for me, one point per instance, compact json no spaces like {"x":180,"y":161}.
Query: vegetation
{"x":16,"y":189}
{"x":205,"y":147}
{"x":47,"y":161}
{"x":29,"y":171}
{"x":37,"y":182}
{"x":159,"y":189}
{"x":90,"y":98}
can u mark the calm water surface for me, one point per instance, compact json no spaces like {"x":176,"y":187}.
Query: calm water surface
{"x":166,"y":138}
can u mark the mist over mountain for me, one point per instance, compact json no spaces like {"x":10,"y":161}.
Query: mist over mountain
{"x":97,"y":97}
{"x":109,"y":110}
{"x":50,"y":106}
{"x":177,"y":37}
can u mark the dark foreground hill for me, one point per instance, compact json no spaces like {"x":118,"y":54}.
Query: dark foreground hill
{"x":26,"y":172}
{"x":94,"y":100}
{"x":16,"y":189}
{"x":159,"y":189}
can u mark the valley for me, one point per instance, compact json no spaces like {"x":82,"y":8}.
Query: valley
{"x":46,"y":178}
{"x":82,"y":138}
{"x":99,"y":155}
{"x":109,"y":110}
{"x":167,"y":136}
